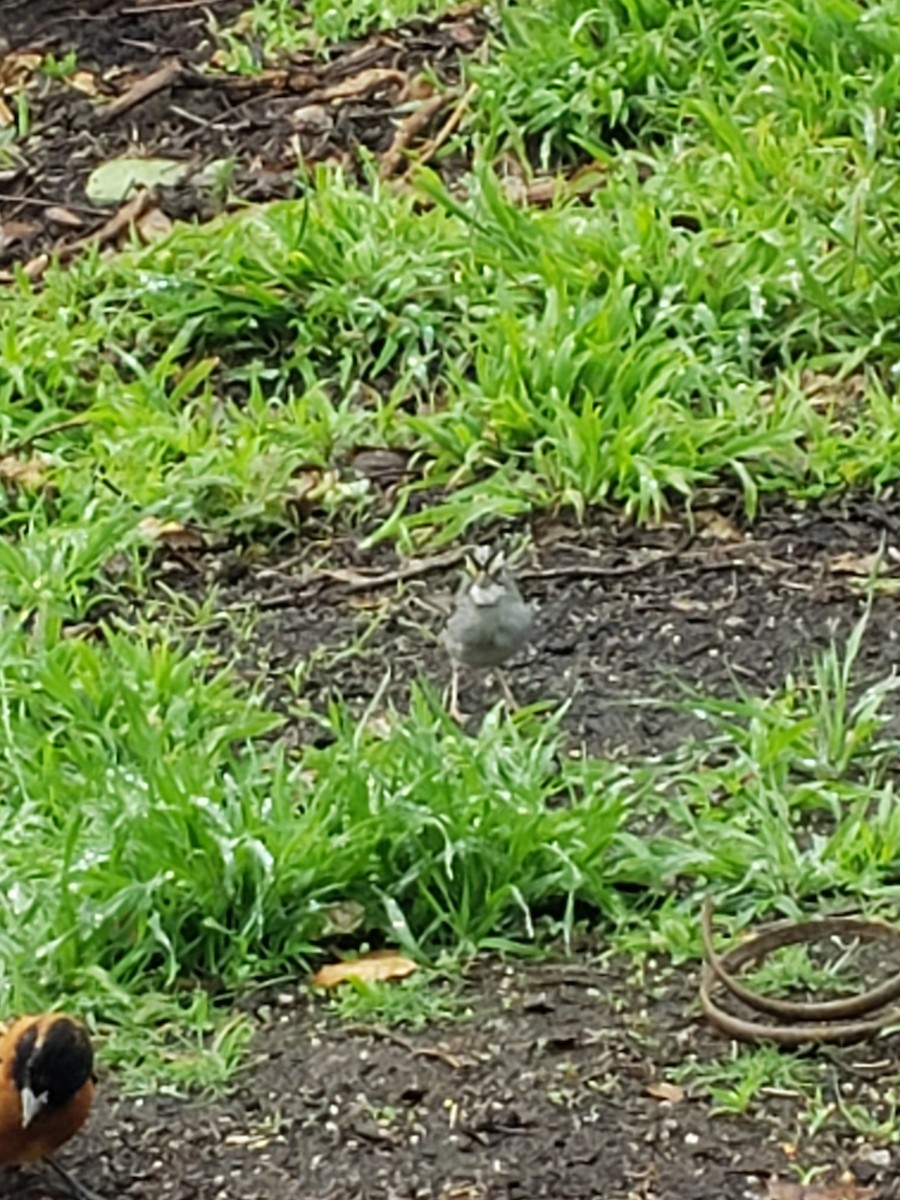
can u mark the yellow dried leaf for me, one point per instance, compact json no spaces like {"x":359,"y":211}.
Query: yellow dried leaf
{"x":854,"y":564}
{"x":25,"y":472}
{"x":716,"y":527}
{"x":61,"y":215}
{"x":153,"y":225}
{"x":83,"y":81}
{"x":17,"y":69}
{"x":378,"y":967}
{"x":7,"y":116}
{"x":172,"y":533}
{"x":660,"y":1090}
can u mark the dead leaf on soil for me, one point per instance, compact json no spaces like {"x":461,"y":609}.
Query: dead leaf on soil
{"x":7,"y":117}
{"x":84,"y":82}
{"x":172,"y":533}
{"x":16,"y":231}
{"x":666,"y":1091}
{"x":153,"y":225}
{"x":855,"y":564}
{"x":60,"y":215}
{"x":380,"y":464}
{"x":380,"y":966}
{"x":826,"y":391}
{"x":17,"y":69}
{"x":713,"y":525}
{"x":845,"y":1188}
{"x":312,"y":487}
{"x":343,"y":917}
{"x":115,"y":180}
{"x":27,"y":473}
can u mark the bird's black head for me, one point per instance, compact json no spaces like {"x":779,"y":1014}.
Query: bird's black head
{"x":53,"y":1059}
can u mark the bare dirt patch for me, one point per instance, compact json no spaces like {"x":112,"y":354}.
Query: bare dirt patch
{"x":547,"y":1091}
{"x":629,"y":620}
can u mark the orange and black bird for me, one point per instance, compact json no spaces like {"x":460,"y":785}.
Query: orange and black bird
{"x":46,"y":1088}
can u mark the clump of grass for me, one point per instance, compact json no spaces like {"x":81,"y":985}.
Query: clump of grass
{"x":270,"y":29}
{"x":566,"y":357}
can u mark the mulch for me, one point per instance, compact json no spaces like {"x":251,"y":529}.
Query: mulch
{"x":147,"y":85}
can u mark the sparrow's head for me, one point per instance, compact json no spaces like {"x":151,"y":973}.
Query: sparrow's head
{"x":488,"y":575}
{"x":486,"y":563}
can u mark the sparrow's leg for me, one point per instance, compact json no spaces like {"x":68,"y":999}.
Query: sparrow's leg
{"x":453,"y":708}
{"x":511,"y":703}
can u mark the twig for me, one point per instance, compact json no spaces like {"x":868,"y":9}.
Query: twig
{"x":587,"y":571}
{"x":143,"y":89}
{"x":171,"y":7}
{"x":108,"y":232}
{"x":388,"y":1035}
{"x":15,"y":198}
{"x":355,"y":581}
{"x":431,"y":147}
{"x":407,"y":130}
{"x":47,"y":431}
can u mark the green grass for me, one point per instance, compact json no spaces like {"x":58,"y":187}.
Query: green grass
{"x":157,"y":840}
{"x":269,"y":29}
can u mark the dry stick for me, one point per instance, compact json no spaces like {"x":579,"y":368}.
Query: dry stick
{"x":588,"y":570}
{"x":117,"y":223}
{"x":126,"y":215}
{"x":357,"y":582}
{"x":143,"y":89}
{"x":431,"y":148}
{"x":175,"y":7}
{"x":22,"y":200}
{"x":47,"y":431}
{"x":408,"y":129}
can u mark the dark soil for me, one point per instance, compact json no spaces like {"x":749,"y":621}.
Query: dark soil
{"x":546,"y":1092}
{"x":305,"y":109}
{"x":723,"y":611}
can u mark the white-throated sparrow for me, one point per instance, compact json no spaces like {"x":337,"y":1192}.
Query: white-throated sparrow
{"x":489,"y":623}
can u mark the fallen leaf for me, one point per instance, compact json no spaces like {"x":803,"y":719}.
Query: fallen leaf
{"x":16,"y":231}
{"x":153,"y":225}
{"x":84,"y":82}
{"x":115,"y":180}
{"x":711,"y":524}
{"x":378,"y":967}
{"x":342,"y":917}
{"x":666,"y":1091}
{"x":25,"y":472}
{"x":60,"y":215}
{"x":380,"y":464}
{"x":7,"y":116}
{"x":845,"y":1188}
{"x":35,"y":267}
{"x":172,"y":533}
{"x":16,"y":70}
{"x":855,"y":564}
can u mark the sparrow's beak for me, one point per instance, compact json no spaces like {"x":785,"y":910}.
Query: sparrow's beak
{"x":32,"y":1105}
